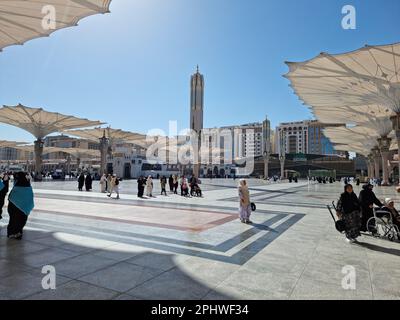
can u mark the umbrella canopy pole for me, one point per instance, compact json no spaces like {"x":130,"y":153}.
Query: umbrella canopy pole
{"x":38,"y":147}
{"x":384,"y":145}
{"x":396,"y":127}
{"x":370,"y":163}
{"x":282,"y":160}
{"x":266,"y":164}
{"x":104,"y":144}
{"x":377,"y":156}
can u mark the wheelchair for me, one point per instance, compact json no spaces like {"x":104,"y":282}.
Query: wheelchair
{"x":381,"y":225}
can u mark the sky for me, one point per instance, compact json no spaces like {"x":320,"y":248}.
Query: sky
{"x":131,"y":68}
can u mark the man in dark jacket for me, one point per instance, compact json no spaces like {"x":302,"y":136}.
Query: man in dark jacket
{"x":367,"y":199}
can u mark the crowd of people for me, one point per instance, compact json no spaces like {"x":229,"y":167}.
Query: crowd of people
{"x":356,"y":211}
{"x":188,"y":187}
{"x":110,"y":184}
{"x":20,"y":201}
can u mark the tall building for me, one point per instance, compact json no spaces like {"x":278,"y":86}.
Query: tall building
{"x":196,"y":101}
{"x":317,"y":142}
{"x":246,"y":140}
{"x":295,"y":137}
{"x":304,"y":137}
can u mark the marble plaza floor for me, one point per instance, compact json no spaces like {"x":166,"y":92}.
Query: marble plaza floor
{"x":193,"y":248}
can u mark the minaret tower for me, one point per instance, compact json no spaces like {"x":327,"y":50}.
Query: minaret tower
{"x":196,"y":111}
{"x":196,"y":101}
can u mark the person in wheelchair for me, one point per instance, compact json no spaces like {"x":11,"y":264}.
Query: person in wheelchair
{"x":389,"y":207}
{"x":197,"y":190}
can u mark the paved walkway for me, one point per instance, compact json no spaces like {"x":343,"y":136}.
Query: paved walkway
{"x":193,"y":248}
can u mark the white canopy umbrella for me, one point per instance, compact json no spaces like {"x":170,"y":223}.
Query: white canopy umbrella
{"x":364,"y":138}
{"x":23,"y":20}
{"x":368,"y":78}
{"x":41,"y":123}
{"x":107,"y":137}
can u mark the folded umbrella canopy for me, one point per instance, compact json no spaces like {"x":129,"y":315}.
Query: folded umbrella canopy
{"x":24,"y":20}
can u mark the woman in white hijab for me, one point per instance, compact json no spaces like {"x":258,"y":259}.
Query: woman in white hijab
{"x":244,"y":204}
{"x":149,"y":187}
{"x":103,"y":183}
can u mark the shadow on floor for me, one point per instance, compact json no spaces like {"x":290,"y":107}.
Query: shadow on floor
{"x":375,"y":247}
{"x":93,"y":273}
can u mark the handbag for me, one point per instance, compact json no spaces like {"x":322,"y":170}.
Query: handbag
{"x":339,"y":224}
{"x":253,"y":206}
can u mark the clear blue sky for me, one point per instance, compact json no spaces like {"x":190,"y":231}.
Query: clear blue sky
{"x":131,"y":68}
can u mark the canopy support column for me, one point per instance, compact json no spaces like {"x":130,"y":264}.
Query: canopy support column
{"x":282,"y":160}
{"x":104,"y":144}
{"x":396,"y":127}
{"x":384,"y":145}
{"x":38,"y":148}
{"x":377,"y":157}
{"x":371,"y":170}
{"x":68,"y":164}
{"x":266,"y":165}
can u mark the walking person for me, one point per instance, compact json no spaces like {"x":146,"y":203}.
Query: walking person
{"x":367,"y":200}
{"x":175,"y":180}
{"x":4,"y":187}
{"x":149,"y":187}
{"x":244,"y":203}
{"x":140,"y":183}
{"x":109,"y":179}
{"x":184,"y":187}
{"x":114,"y":186}
{"x":88,"y":182}
{"x":171,"y":183}
{"x":81,"y":181}
{"x":20,"y":205}
{"x":349,"y":210}
{"x":103,"y":183}
{"x":163,"y":182}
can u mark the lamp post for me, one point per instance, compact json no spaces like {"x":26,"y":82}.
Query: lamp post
{"x":396,"y":127}
{"x":384,"y":146}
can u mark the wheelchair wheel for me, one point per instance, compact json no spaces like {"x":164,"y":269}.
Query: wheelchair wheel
{"x":372,"y":227}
